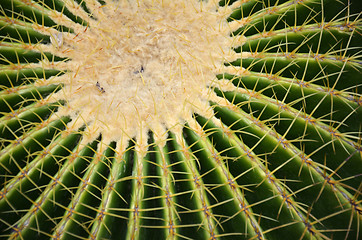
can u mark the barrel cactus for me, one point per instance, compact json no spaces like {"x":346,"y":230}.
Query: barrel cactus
{"x":188,"y":119}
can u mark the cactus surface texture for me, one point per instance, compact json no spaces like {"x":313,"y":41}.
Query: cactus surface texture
{"x":187,"y":119}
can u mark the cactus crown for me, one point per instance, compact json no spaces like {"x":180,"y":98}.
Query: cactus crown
{"x":183,"y":119}
{"x":149,"y":74}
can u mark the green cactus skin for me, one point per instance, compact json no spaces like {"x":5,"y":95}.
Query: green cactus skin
{"x":279,"y":158}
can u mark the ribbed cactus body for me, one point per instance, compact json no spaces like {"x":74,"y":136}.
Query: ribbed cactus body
{"x":251,"y":129}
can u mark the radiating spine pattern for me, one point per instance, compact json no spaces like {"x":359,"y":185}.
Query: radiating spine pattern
{"x":189,"y":119}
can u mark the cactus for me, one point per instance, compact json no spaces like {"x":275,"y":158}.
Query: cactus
{"x":161,"y":119}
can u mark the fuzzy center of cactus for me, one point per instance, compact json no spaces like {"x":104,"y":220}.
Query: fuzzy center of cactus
{"x":146,"y":65}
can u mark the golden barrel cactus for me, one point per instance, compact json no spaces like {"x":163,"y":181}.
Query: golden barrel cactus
{"x":187,"y":119}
